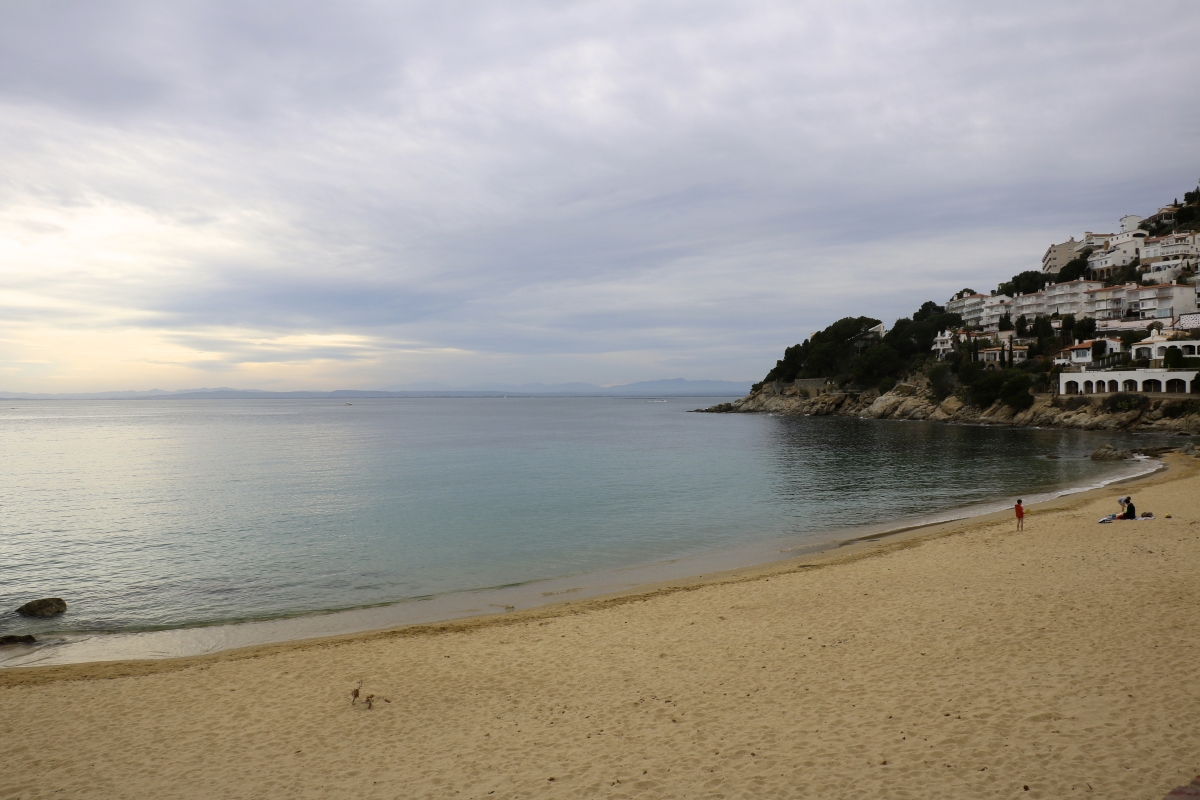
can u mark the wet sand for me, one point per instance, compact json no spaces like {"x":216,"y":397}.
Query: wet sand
{"x":959,"y":660}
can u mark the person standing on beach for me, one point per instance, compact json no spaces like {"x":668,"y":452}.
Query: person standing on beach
{"x":1020,"y":511}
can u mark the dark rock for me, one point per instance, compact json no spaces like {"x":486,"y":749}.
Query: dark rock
{"x":1106,"y":452}
{"x":1154,"y":452}
{"x":46,"y":607}
{"x":13,"y":639}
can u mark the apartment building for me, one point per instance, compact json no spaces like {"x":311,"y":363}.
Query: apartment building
{"x":1068,"y":298}
{"x":1109,"y":302}
{"x":1029,"y":306}
{"x":993,"y":309}
{"x":1057,"y":256}
{"x":967,"y":306}
{"x":1130,"y":223}
{"x":1123,"y":248}
{"x":1165,"y":257}
{"x":1096,"y":241}
{"x":1165,"y":301}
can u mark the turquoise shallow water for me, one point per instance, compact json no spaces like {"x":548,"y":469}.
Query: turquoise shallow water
{"x":161,"y":514}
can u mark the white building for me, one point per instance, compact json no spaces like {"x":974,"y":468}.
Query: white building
{"x":968,"y":306}
{"x":994,"y":308}
{"x":1029,"y":306}
{"x":1095,"y":241}
{"x":1122,"y":249}
{"x":1165,"y":257}
{"x":1155,"y":347}
{"x":1081,"y":355}
{"x":994,"y":355}
{"x":1109,"y":302}
{"x":1165,"y":301}
{"x":1175,"y":381}
{"x":944,"y":342}
{"x":1130,"y":222}
{"x":1068,"y":298}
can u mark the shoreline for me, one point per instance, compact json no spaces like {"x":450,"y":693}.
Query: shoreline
{"x":962,"y":659}
{"x":511,"y":602}
{"x":1158,"y":413}
{"x":209,"y":639}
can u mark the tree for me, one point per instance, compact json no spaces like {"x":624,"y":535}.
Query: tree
{"x":1024,"y":283}
{"x":824,"y":354}
{"x":986,"y":389}
{"x":941,"y":381}
{"x":969,"y":371}
{"x":1130,"y":338}
{"x":1022,"y":326}
{"x":876,"y":363}
{"x":1006,"y":322}
{"x":1015,"y":391}
{"x":1042,"y":328}
{"x":1085,"y":329}
{"x":1076,"y":267}
{"x":1155,"y":327}
{"x":928,"y":309}
{"x":1067,"y":328}
{"x":1173,"y":358}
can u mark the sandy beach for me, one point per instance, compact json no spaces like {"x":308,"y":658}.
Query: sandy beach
{"x":960,"y":660}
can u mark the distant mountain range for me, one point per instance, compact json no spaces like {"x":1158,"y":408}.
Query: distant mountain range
{"x":676,"y":387}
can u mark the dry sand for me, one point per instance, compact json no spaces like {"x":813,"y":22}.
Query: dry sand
{"x":966,"y":660}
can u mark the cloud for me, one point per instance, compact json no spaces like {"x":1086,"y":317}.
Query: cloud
{"x":602,"y":192}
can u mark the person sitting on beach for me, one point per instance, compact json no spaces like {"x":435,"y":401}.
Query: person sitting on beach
{"x":1020,"y":511}
{"x":1130,"y":511}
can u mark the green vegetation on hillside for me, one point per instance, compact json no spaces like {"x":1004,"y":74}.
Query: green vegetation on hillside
{"x":848,"y":352}
{"x":1027,"y":282}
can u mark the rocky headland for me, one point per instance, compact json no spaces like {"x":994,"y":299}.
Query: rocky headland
{"x":909,"y":401}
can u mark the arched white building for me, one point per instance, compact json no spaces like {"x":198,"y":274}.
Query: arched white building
{"x":1144,"y":381}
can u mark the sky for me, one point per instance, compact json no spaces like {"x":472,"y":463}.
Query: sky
{"x":298,"y":195}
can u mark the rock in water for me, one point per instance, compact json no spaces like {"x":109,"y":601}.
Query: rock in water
{"x":46,"y":607}
{"x":13,"y":639}
{"x":1106,"y":452}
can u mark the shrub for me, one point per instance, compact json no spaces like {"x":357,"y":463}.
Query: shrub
{"x":941,"y":382}
{"x":1121,"y":402}
{"x":969,"y":372}
{"x":886,"y":385}
{"x":1173,"y":358}
{"x":1181,"y":408}
{"x":1015,"y":392}
{"x":1071,"y":402}
{"x":986,"y":390}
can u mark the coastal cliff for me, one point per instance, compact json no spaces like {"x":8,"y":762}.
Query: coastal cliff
{"x":906,"y":401}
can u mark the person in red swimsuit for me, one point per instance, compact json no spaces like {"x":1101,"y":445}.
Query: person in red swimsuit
{"x":1020,"y":509}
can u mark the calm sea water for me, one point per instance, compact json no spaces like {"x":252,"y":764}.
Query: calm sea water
{"x":158,"y":514}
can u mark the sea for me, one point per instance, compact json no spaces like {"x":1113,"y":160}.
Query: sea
{"x":173,"y":527}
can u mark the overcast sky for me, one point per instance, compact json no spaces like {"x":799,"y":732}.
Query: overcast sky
{"x":289,"y":195}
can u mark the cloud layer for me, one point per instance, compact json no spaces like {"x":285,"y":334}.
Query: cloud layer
{"x":304,"y":195}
